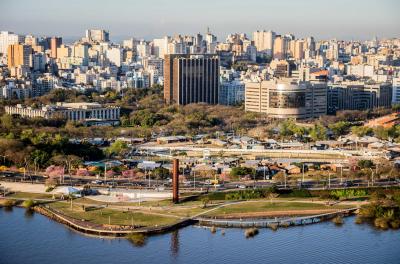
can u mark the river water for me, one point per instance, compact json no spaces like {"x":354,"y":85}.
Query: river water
{"x":32,"y":238}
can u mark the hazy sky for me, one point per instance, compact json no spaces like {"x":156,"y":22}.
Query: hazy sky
{"x":343,"y":19}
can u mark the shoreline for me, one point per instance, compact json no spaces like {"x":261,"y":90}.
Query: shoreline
{"x":101,"y":231}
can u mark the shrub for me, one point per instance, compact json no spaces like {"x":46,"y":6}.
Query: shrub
{"x":382,"y":223}
{"x":358,"y":220}
{"x":274,"y":227}
{"x":368,"y":211}
{"x":395,"y":224}
{"x":7,"y":203}
{"x":338,"y":220}
{"x":28,"y":204}
{"x":137,"y":239}
{"x":347,"y":193}
{"x":49,"y":188}
{"x":249,"y":194}
{"x":213,"y":230}
{"x":251,"y":232}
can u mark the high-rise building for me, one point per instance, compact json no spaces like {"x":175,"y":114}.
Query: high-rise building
{"x":9,"y":38}
{"x":299,"y":50}
{"x":63,"y":52}
{"x":264,"y":41}
{"x":143,"y":49}
{"x":191,"y":78}
{"x":160,"y":47}
{"x":31,"y":40}
{"x":19,"y":55}
{"x":97,"y":35}
{"x":280,"y":48}
{"x":396,"y":91}
{"x":39,"y":61}
{"x":129,"y":43}
{"x":231,"y":93}
{"x":286,"y":97}
{"x":55,"y":43}
{"x":115,"y":55}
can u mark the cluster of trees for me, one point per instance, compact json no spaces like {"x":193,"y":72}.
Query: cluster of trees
{"x":143,"y":111}
{"x":289,"y":129}
{"x":320,"y":131}
{"x":242,"y":171}
{"x":41,"y":149}
{"x":153,"y":114}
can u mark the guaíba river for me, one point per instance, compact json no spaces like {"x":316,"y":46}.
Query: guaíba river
{"x":32,"y":238}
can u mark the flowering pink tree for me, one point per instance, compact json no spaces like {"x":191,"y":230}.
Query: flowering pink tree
{"x":129,"y":174}
{"x":82,"y":172}
{"x":54,"y":171}
{"x":110,"y":173}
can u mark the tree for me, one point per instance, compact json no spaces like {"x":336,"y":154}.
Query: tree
{"x":117,"y":148}
{"x":242,"y":171}
{"x":318,"y":132}
{"x":39,"y":157}
{"x":272,"y":195}
{"x":361,"y":131}
{"x":205,"y":200}
{"x":161,"y":173}
{"x":69,"y":161}
{"x":365,"y":164}
{"x":339,"y":128}
{"x":6,"y":121}
{"x":381,"y":132}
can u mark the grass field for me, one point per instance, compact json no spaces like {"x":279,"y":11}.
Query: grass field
{"x":25,"y":195}
{"x":266,"y":206}
{"x":113,"y":217}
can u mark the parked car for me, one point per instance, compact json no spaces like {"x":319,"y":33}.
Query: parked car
{"x":97,"y":182}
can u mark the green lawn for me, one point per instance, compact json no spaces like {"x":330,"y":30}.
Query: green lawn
{"x":25,"y":195}
{"x":267,"y":206}
{"x":102,"y":216}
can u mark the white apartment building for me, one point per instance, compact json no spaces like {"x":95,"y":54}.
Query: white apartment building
{"x":9,"y":38}
{"x":264,"y":41}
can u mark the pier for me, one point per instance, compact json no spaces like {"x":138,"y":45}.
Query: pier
{"x":265,"y":223}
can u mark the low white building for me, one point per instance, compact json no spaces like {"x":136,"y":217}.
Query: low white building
{"x":69,"y":111}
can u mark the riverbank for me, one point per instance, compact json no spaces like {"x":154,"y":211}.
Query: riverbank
{"x":122,"y":218}
{"x":316,"y":243}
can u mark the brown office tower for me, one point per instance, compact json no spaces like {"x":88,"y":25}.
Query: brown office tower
{"x":191,"y":78}
{"x":175,"y":181}
{"x":55,"y":43}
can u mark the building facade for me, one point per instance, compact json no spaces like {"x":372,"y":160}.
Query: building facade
{"x":19,"y":55}
{"x":69,"y":111}
{"x":358,"y":96}
{"x":396,"y":91}
{"x":286,"y":98}
{"x":55,"y":43}
{"x":191,"y":79}
{"x":97,"y":35}
{"x":264,"y":41}
{"x":231,"y":93}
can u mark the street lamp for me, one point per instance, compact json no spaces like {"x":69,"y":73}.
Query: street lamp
{"x":329,"y":180}
{"x":4,"y":158}
{"x":372,"y":176}
{"x":264,"y":173}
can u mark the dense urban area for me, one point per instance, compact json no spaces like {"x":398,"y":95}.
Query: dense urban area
{"x":95,"y":133}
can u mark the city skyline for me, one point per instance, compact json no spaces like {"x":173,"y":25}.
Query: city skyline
{"x":147,"y":20}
